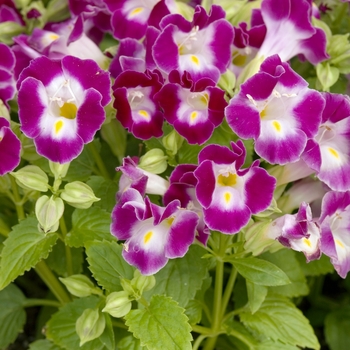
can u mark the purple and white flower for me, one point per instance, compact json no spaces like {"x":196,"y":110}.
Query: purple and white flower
{"x":61,"y":105}
{"x":152,"y":234}
{"x":230,"y":195}
{"x":276,"y":108}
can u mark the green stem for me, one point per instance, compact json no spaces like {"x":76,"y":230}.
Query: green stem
{"x":41,"y":302}
{"x":98,"y":160}
{"x":198,"y":342}
{"x":233,"y":313}
{"x":201,"y":330}
{"x":118,"y":324}
{"x":69,"y":261}
{"x":52,"y":282}
{"x":228,"y":290}
{"x":242,"y":338}
{"x":19,"y":208}
{"x":4,"y":229}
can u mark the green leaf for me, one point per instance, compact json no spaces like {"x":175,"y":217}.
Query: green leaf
{"x":285,"y":259}
{"x":104,"y":189}
{"x":87,"y":225}
{"x":57,"y":260}
{"x":130,"y":343}
{"x":239,"y":335}
{"x":315,"y":267}
{"x":107,"y":264}
{"x":260,"y":271}
{"x":182,"y":277}
{"x":337,"y":325}
{"x":43,"y":344}
{"x":23,"y":249}
{"x":162,"y":325}
{"x":280,"y":320}
{"x":194,"y":311}
{"x":12,"y":314}
{"x":256,"y":295}
{"x":271,"y":345}
{"x":61,"y":327}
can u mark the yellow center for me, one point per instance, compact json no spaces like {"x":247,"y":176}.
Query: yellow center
{"x":263,"y":113}
{"x":194,"y":115}
{"x":205,"y":98}
{"x":170,"y":220}
{"x":147,"y":236}
{"x":338,"y":243}
{"x":307,"y":242}
{"x":333,"y":152}
{"x":229,"y":180}
{"x":195,"y":60}
{"x":143,"y":113}
{"x":58,"y":126}
{"x":136,"y":11}
{"x":227,"y":197}
{"x":53,"y":37}
{"x":68,"y":110}
{"x":277,"y":126}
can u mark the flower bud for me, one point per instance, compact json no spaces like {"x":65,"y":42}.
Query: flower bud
{"x":154,"y":161}
{"x":172,"y":142}
{"x":142,"y":283}
{"x":80,"y":286}
{"x":118,"y":304}
{"x":59,"y":170}
{"x":48,"y":212}
{"x":4,"y":112}
{"x":57,"y":11}
{"x":78,"y":195}
{"x":90,"y":325}
{"x":31,"y":177}
{"x":8,"y":30}
{"x":5,"y":183}
{"x":227,"y":82}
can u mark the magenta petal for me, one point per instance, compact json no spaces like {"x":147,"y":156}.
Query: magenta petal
{"x":206,"y":183}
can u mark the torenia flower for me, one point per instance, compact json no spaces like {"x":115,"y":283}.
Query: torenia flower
{"x":152,"y":234}
{"x":200,"y":47}
{"x":335,"y":230}
{"x":61,"y":105}
{"x":136,"y":108}
{"x":298,"y":232}
{"x":276,"y":108}
{"x":328,"y":154}
{"x":10,"y":148}
{"x":230,"y":195}
{"x":194,"y":109}
{"x":7,"y":81}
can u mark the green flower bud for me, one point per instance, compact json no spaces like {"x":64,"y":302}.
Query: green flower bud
{"x":79,"y":195}
{"x":4,"y":112}
{"x":57,"y":11}
{"x":48,"y":212}
{"x":227,"y":82}
{"x":59,"y":170}
{"x":90,"y":325}
{"x":154,"y":161}
{"x":118,"y":304}
{"x":172,"y":142}
{"x":8,"y":30}
{"x":31,"y":177}
{"x":142,"y":283}
{"x":80,"y":286}
{"x":5,"y":183}
{"x":272,"y":209}
{"x":327,"y":75}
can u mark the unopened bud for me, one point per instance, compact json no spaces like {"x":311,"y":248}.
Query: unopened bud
{"x":118,"y":304}
{"x":59,"y":170}
{"x":90,"y":325}
{"x":32,"y":177}
{"x":142,"y":283}
{"x":154,"y":161}
{"x":48,"y":212}
{"x":80,"y":285}
{"x":8,"y":30}
{"x":172,"y":142}
{"x":78,"y":195}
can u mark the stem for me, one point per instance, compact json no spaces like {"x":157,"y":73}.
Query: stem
{"x":118,"y":324}
{"x":4,"y":229}
{"x":69,"y":261}
{"x":41,"y":302}
{"x":19,"y":208}
{"x":99,"y":161}
{"x":198,"y":342}
{"x":242,"y":338}
{"x":201,"y":330}
{"x":228,"y":290}
{"x":52,"y":282}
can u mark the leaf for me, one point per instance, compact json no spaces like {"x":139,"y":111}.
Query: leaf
{"x":285,"y":260}
{"x":107,"y":264}
{"x":12,"y":314}
{"x":57,"y":260}
{"x":104,"y":189}
{"x":43,"y":344}
{"x":256,"y":295}
{"x":61,"y":327}
{"x":162,"y":325}
{"x":182,"y":277}
{"x":315,"y":267}
{"x":271,"y":345}
{"x":23,"y":249}
{"x":337,"y":325}
{"x":260,"y":271}
{"x":87,"y":225}
{"x":130,"y":343}
{"x":194,"y":311}
{"x":239,"y":335}
{"x":280,"y":320}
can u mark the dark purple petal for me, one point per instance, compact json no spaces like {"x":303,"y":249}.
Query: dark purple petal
{"x":206,"y":183}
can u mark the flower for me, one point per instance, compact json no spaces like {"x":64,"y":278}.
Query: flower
{"x":230,"y":195}
{"x":10,"y":148}
{"x":276,"y":108}
{"x":7,"y":81}
{"x":335,"y":230}
{"x":61,"y":105}
{"x":152,"y":234}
